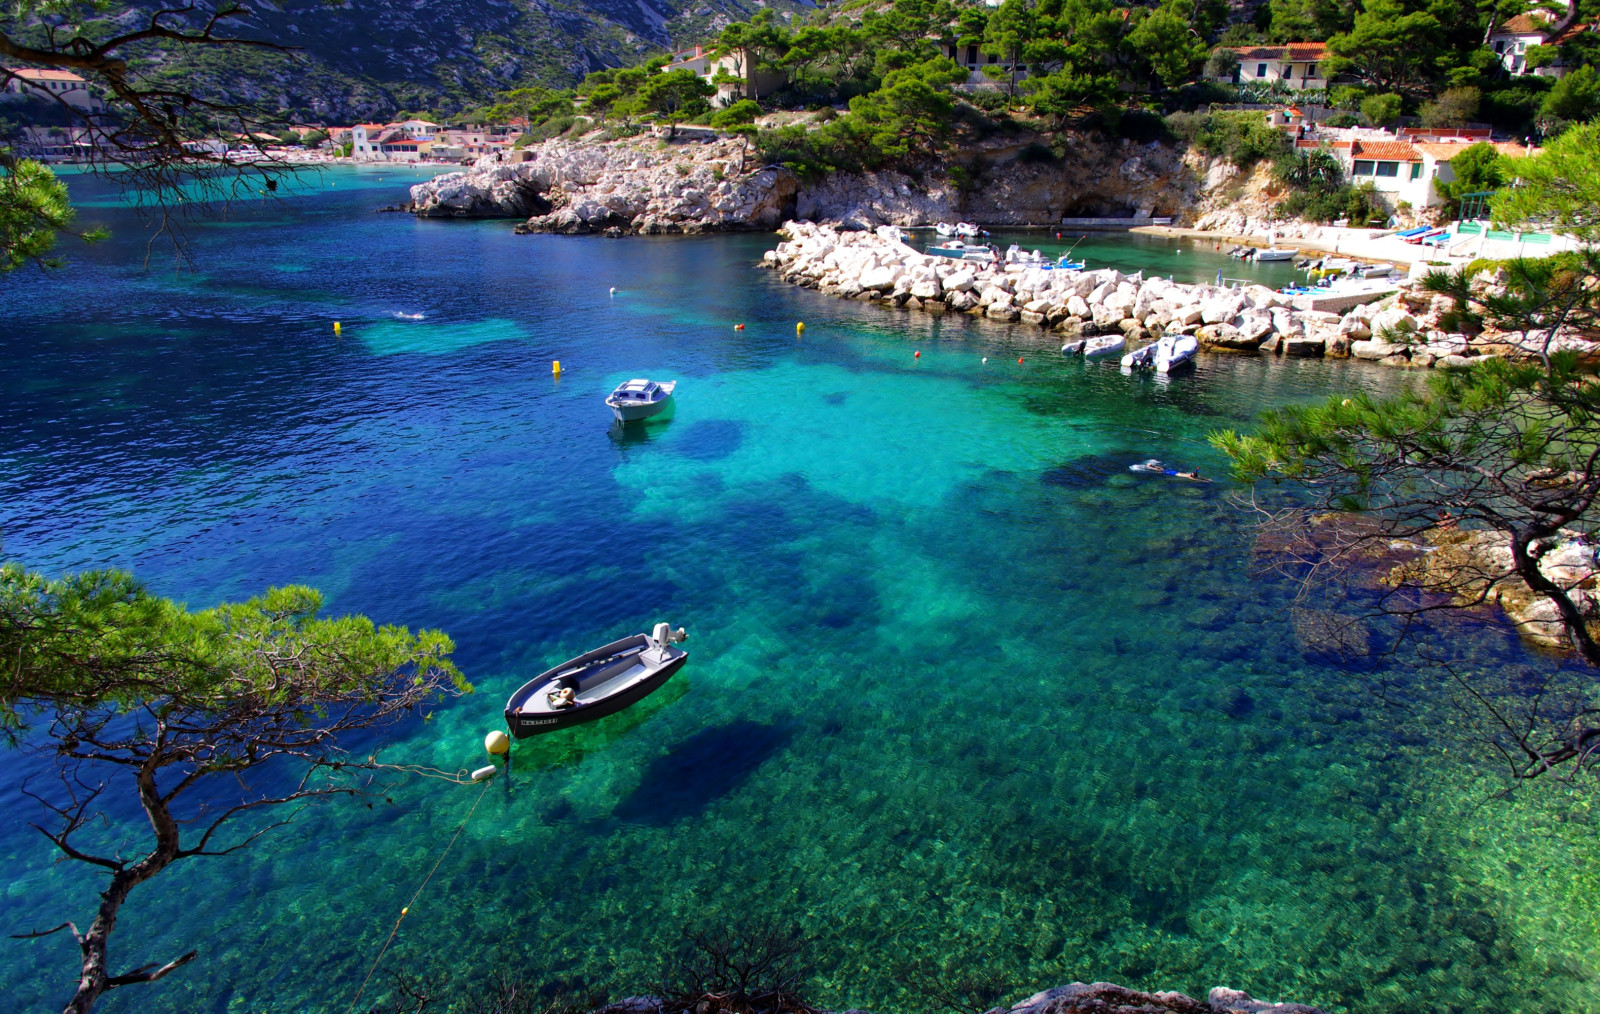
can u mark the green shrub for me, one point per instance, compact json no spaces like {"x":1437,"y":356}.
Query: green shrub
{"x":988,"y":100}
{"x":1359,"y":204}
{"x":1143,"y":126}
{"x":1036,"y":154}
{"x":1243,"y":138}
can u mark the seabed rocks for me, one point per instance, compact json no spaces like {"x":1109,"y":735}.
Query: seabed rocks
{"x":1078,"y":998}
{"x":1401,"y":329}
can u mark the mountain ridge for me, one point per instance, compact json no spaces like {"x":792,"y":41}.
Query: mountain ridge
{"x":363,"y":59}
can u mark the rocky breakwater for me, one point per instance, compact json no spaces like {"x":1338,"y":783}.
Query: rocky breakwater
{"x":879,"y":267}
{"x":620,"y":187}
{"x":1402,"y":328}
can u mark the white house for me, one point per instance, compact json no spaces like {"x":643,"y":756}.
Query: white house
{"x":61,"y":85}
{"x":1511,"y":40}
{"x":1297,"y":65}
{"x":975,"y":60}
{"x":750,"y":84}
{"x":1405,"y":170}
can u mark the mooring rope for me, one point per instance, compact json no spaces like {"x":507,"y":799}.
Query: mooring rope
{"x":407,"y":909}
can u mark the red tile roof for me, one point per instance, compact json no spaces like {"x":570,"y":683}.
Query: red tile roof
{"x":1385,"y":151}
{"x":36,"y":74}
{"x":1295,"y":52}
{"x":1531,"y":23}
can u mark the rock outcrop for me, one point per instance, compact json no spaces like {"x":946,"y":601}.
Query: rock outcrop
{"x":643,"y":185}
{"x":622,"y":187}
{"x":1477,"y":565}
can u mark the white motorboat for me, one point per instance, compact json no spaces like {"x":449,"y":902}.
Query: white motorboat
{"x":597,"y":683}
{"x":962,"y":251}
{"x":1104,"y":345}
{"x":945,"y":229}
{"x":1173,"y":352}
{"x":967,"y":230}
{"x":1016,"y":255}
{"x":1275,"y":254}
{"x":640,"y":399}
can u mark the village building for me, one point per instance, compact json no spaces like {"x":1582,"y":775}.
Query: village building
{"x":1512,"y":40}
{"x":972,"y":57}
{"x":55,"y":144}
{"x":1298,"y":65}
{"x":748,"y":82}
{"x":1405,"y":169}
{"x":60,"y":85}
{"x":378,"y":142}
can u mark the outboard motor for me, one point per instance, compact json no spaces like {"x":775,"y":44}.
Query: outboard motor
{"x":663,"y":635}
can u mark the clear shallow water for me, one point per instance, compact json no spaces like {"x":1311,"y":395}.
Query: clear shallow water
{"x":962,"y":689}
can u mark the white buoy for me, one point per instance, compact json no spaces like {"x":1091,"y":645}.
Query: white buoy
{"x":496,"y":743}
{"x":613,"y":291}
{"x":986,"y":359}
{"x":483,"y":774}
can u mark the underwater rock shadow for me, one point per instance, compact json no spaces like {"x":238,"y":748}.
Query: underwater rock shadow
{"x":702,"y":769}
{"x":709,"y":440}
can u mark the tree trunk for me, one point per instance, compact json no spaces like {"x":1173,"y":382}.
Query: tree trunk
{"x":95,"y":978}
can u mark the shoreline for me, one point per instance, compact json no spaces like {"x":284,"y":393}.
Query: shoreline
{"x":1392,"y":325}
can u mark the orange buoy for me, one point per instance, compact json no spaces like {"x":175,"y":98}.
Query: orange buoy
{"x":916,"y":355}
{"x":1019,"y":360}
{"x":738,"y":327}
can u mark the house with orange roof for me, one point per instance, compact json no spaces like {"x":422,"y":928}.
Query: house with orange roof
{"x":1406,"y":170}
{"x":1298,"y":65}
{"x":1512,"y":40}
{"x":60,"y":85}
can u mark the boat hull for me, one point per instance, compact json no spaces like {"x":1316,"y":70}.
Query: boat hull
{"x":1096,"y":348}
{"x":525,"y":724}
{"x":627,"y":413}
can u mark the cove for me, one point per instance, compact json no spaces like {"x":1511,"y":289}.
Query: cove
{"x":963,"y":692}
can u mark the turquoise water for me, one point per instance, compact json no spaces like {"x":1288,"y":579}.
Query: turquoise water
{"x":962,"y":690}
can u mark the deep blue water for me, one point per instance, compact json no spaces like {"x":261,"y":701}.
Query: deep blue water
{"x":963,"y":692}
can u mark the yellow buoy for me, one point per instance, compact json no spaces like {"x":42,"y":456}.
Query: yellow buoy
{"x":555,"y":367}
{"x":336,"y":328}
{"x":800,"y":328}
{"x":496,"y":743}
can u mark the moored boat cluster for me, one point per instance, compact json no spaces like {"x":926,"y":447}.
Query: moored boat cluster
{"x":1397,"y":327}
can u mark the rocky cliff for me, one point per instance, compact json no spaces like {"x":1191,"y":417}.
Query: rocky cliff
{"x":628,"y":186}
{"x":637,"y":185}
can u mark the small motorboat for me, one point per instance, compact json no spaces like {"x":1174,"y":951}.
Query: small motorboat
{"x":640,"y":399}
{"x":1104,"y":345}
{"x":1140,"y":359}
{"x":1276,"y":254}
{"x":1074,"y":347}
{"x":597,"y":683}
{"x":967,"y":230}
{"x":1016,"y":255}
{"x":1173,"y":352}
{"x":1066,"y":263}
{"x":1375,"y":270}
{"x":945,"y":229}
